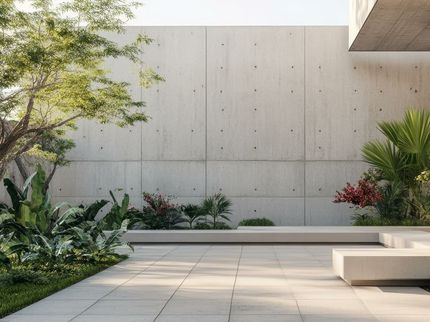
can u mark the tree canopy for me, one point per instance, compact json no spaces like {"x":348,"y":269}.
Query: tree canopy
{"x":52,"y":73}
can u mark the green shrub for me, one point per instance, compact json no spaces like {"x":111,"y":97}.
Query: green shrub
{"x":397,"y":182}
{"x":19,"y":275}
{"x":32,"y":231}
{"x":161,"y":213}
{"x":256,"y":222}
{"x":218,"y":226}
{"x":121,"y":211}
{"x":193,"y":214}
{"x":369,"y":220}
{"x":218,"y":209}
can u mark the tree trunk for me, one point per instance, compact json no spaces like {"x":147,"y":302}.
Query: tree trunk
{"x":49,"y":178}
{"x":21,"y":167}
{"x":3,"y":168}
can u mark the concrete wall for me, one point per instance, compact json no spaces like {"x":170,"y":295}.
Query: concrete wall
{"x":274,"y":117}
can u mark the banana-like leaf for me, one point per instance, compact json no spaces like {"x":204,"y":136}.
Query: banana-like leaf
{"x":15,"y":194}
{"x":27,"y":184}
{"x":25,"y":216}
{"x":115,"y":235}
{"x":124,"y":204}
{"x":91,"y":211}
{"x":37,"y":187}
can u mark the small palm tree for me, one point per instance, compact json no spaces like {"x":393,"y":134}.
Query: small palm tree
{"x":403,"y":155}
{"x":218,"y":207}
{"x":406,"y":151}
{"x":192,"y":214}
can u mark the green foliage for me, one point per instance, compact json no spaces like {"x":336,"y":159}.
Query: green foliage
{"x":5,"y":261}
{"x":218,"y":208}
{"x":394,"y":200}
{"x":400,"y":162}
{"x":369,"y":220}
{"x":405,"y":152}
{"x":25,"y":285}
{"x":36,"y":232}
{"x":52,"y":72}
{"x":120,"y":212}
{"x":193,"y":214}
{"x":160,"y":213}
{"x":20,"y":275}
{"x":256,"y":222}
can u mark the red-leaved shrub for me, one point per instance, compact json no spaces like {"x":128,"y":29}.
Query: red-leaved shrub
{"x":365,"y":193}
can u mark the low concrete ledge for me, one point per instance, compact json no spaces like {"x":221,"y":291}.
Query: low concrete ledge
{"x":236,"y":236}
{"x":405,"y":239}
{"x":299,"y":234}
{"x":383,"y":266}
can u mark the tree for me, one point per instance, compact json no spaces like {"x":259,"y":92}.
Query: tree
{"x":51,"y":70}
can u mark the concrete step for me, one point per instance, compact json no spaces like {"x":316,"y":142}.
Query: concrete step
{"x":286,"y":234}
{"x":387,"y":266}
{"x":405,"y":239}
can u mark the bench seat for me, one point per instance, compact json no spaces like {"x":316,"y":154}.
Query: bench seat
{"x":384,"y":266}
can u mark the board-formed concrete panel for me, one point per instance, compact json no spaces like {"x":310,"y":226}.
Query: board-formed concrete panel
{"x":255,"y":178}
{"x":282,"y":211}
{"x":106,"y":142}
{"x":278,"y":98}
{"x":390,"y":25}
{"x":324,"y":178}
{"x":255,"y":93}
{"x":323,"y":212}
{"x":176,"y":178}
{"x":96,"y":178}
{"x":347,"y":93}
{"x":176,"y":130}
{"x":109,"y":142}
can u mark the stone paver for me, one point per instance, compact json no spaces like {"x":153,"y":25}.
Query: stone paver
{"x":227,"y":283}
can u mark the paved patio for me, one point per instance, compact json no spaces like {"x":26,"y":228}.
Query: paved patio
{"x":220,"y":283}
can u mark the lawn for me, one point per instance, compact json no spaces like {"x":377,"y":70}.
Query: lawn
{"x":24,"y":287}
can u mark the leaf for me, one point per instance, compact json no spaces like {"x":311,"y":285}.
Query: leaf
{"x":387,"y":158}
{"x":15,"y":194}
{"x":37,"y":189}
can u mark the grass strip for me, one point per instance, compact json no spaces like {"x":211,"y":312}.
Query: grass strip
{"x":15,"y":297}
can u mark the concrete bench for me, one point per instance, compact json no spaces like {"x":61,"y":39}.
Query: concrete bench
{"x":405,"y":239}
{"x":385,"y":266}
{"x":405,"y":262}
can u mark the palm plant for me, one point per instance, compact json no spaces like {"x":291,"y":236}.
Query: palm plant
{"x":192,"y":214}
{"x":403,"y":155}
{"x":218,"y":208}
{"x":406,"y":151}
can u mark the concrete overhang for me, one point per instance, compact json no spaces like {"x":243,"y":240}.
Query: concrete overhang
{"x":389,"y":25}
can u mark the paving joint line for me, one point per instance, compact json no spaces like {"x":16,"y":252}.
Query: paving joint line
{"x":234,"y":284}
{"x":135,"y":275}
{"x":189,"y":273}
{"x":286,"y":278}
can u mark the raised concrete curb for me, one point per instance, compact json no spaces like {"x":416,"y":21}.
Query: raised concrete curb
{"x":301,"y":234}
{"x":405,"y":239}
{"x":383,"y":266}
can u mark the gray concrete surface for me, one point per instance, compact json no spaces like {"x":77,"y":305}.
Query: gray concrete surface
{"x":389,"y":25}
{"x":290,"y":234}
{"x":272,"y":116}
{"x":227,"y":283}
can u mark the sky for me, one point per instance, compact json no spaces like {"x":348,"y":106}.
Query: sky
{"x":240,"y":12}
